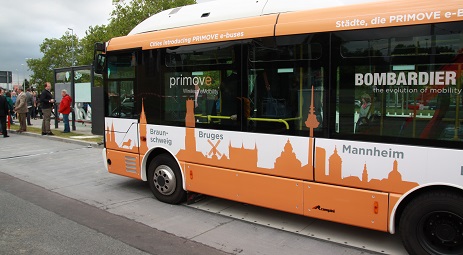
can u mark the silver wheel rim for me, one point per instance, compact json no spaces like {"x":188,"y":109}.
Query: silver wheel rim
{"x":164,"y":180}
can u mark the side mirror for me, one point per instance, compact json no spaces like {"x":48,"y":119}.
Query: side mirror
{"x":99,"y":63}
{"x":99,"y":59}
{"x":100,"y":47}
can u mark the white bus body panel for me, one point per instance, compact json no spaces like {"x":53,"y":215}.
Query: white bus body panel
{"x":365,"y":165}
{"x":222,"y":10}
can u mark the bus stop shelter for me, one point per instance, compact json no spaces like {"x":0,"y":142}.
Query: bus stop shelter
{"x":87,"y":98}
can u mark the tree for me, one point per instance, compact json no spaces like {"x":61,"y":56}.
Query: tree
{"x":58,"y":52}
{"x":125,"y":18}
{"x":94,"y":34}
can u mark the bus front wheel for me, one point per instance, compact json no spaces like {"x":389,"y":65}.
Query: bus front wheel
{"x":433,"y":224}
{"x":165,"y":180}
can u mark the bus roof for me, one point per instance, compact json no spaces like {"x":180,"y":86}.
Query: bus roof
{"x":276,"y":18}
{"x":222,"y":10}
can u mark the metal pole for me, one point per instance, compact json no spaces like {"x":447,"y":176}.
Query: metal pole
{"x":25,"y":72}
{"x":55,"y":106}
{"x":92,"y":84}
{"x":73,"y":93}
{"x":7,"y":81}
{"x":24,"y":79}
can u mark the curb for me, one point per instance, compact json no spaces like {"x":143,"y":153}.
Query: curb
{"x":61,"y":139}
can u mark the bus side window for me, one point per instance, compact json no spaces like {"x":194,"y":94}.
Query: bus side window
{"x":285,"y":74}
{"x":384,"y":65}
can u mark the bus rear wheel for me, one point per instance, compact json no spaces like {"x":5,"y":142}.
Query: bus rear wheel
{"x":165,"y":180}
{"x":433,"y":224}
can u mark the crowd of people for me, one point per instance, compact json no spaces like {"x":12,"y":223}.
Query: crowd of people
{"x":23,"y":106}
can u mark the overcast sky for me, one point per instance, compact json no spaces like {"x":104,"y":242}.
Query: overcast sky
{"x":24,"y":25}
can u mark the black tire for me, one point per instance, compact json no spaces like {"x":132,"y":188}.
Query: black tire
{"x":433,"y":224}
{"x":165,"y":180}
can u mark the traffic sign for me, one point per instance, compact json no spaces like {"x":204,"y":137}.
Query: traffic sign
{"x":5,"y":76}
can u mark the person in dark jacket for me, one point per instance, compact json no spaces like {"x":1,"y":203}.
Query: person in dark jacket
{"x":4,"y":111}
{"x":11,"y":106}
{"x":46,"y":100}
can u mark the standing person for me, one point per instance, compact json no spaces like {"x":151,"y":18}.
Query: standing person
{"x":4,"y":111}
{"x":21,"y":109}
{"x":65,"y":109}
{"x":11,"y":106}
{"x":46,"y":100}
{"x":30,"y":104}
{"x":34,"y":107}
{"x":13,"y":98}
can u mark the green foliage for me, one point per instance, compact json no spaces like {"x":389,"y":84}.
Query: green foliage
{"x":125,"y":18}
{"x":57,"y":53}
{"x":98,"y":33}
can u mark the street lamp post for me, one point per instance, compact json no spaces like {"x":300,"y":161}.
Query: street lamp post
{"x":25,"y":72}
{"x":72,"y":44}
{"x":23,"y":83}
{"x":73,"y":115}
{"x":17,"y":76}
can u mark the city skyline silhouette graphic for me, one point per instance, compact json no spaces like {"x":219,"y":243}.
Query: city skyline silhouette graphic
{"x":286,"y":164}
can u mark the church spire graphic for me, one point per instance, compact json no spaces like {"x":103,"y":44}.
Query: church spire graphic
{"x":312,"y":121}
{"x":365,"y":173}
{"x":143,"y":133}
{"x":190,"y":115}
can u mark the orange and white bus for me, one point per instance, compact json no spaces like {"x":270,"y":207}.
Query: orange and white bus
{"x":344,"y":112}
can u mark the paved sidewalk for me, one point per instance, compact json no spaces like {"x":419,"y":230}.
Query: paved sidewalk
{"x":83,"y":129}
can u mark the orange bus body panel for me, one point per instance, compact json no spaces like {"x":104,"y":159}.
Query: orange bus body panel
{"x":267,"y":191}
{"x":254,"y":27}
{"x":320,"y":201}
{"x":347,"y":205}
{"x":123,"y":163}
{"x":373,"y":15}
{"x":393,"y":199}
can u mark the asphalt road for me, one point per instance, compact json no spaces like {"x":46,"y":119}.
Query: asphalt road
{"x":27,"y":228}
{"x":57,"y":198}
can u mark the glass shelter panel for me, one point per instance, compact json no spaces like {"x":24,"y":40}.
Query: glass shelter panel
{"x":83,"y":95}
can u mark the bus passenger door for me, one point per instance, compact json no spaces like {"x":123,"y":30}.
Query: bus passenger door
{"x":121,"y":129}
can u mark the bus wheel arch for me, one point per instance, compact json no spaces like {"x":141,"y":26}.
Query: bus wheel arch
{"x":430,"y":221}
{"x":165,"y":177}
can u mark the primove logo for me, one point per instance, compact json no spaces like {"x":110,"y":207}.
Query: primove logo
{"x":318,"y":207}
{"x":190,"y":81}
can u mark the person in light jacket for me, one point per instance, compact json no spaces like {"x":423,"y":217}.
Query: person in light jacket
{"x":20,"y":108}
